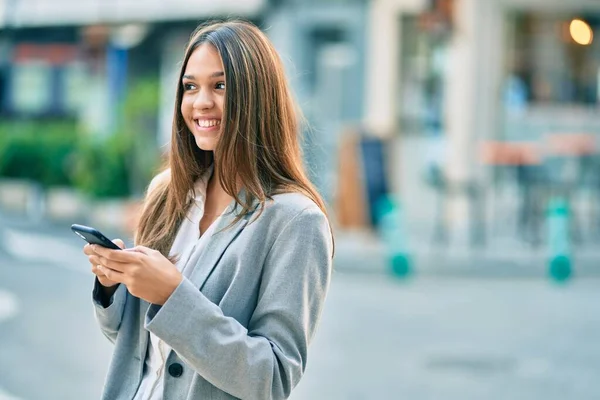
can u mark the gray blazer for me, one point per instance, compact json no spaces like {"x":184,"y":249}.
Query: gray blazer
{"x":241,"y":321}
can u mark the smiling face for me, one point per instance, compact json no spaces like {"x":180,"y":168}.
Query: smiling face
{"x":203,"y":85}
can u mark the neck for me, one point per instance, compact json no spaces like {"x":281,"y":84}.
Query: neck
{"x":214,"y":183}
{"x":216,"y":195}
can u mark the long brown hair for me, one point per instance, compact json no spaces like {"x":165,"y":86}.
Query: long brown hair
{"x":258,"y":146}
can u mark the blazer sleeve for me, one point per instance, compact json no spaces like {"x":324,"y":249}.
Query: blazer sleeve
{"x":109,"y":316}
{"x":267,"y":360}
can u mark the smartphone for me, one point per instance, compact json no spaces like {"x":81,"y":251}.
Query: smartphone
{"x":93,"y":236}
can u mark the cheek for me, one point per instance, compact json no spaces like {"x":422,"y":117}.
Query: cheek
{"x":221,"y":102}
{"x":185,"y":106}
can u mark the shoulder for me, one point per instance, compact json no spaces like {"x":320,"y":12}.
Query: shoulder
{"x":290,"y":205}
{"x":298,"y":224}
{"x":160,"y":178}
{"x":294,"y":211}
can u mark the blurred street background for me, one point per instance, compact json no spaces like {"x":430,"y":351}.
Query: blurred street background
{"x":456,"y":143}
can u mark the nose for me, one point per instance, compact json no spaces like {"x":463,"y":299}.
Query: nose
{"x":203,"y":100}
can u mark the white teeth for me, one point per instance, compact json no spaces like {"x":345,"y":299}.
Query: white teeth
{"x":208,"y":123}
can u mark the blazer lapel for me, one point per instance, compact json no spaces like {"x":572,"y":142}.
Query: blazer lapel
{"x":144,"y":334}
{"x":203,"y":262}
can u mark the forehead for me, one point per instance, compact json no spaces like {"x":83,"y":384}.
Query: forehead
{"x":204,"y":60}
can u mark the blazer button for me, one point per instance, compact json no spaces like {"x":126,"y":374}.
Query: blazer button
{"x":175,"y":370}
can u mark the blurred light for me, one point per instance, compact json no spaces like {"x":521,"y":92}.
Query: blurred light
{"x":581,"y":32}
{"x":129,"y":36}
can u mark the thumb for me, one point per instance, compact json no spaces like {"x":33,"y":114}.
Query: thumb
{"x":119,"y":243}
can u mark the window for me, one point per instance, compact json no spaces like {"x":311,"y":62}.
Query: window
{"x":31,"y":84}
{"x":547,"y":65}
{"x":44,"y":79}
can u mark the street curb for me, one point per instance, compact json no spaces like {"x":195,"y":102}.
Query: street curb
{"x":444,"y":265}
{"x":363,"y":252}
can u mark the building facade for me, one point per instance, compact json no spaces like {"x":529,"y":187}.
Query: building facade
{"x":496,"y":70}
{"x":79,"y":60}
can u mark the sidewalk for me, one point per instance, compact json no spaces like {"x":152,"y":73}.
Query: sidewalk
{"x":364,"y":252}
{"x":57,"y":229}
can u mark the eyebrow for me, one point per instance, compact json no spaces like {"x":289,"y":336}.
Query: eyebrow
{"x":213,"y":75}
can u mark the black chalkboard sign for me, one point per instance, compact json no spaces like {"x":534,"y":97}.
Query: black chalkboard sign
{"x":372,"y":150}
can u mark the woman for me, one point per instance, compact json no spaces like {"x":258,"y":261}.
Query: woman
{"x":221,"y":296}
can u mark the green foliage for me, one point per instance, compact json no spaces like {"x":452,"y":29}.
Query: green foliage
{"x":142,"y":99}
{"x":122,"y":164}
{"x":59,"y":153}
{"x":138,"y":128}
{"x":100,"y":167}
{"x":37,"y":150}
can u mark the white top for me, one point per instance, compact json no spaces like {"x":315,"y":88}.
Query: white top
{"x":187,"y":240}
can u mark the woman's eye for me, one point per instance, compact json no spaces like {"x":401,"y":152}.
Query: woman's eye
{"x":188,"y":86}
{"x":220,"y":86}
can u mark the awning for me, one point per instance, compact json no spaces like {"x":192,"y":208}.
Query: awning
{"x":28,"y":13}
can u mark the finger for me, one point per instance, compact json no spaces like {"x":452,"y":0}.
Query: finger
{"x":111,"y":274}
{"x":119,"y":243}
{"x":94,"y":260}
{"x":116,"y":255}
{"x":87,"y":250}
{"x":97,"y":271}
{"x":114,"y":265}
{"x":142,"y":249}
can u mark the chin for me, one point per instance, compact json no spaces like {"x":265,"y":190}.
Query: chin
{"x":206,"y":144}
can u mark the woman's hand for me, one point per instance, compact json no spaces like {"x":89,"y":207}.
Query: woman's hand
{"x":147,"y":273}
{"x":94,"y":261}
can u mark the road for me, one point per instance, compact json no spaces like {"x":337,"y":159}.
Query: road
{"x":379,"y":338}
{"x":51,"y":349}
